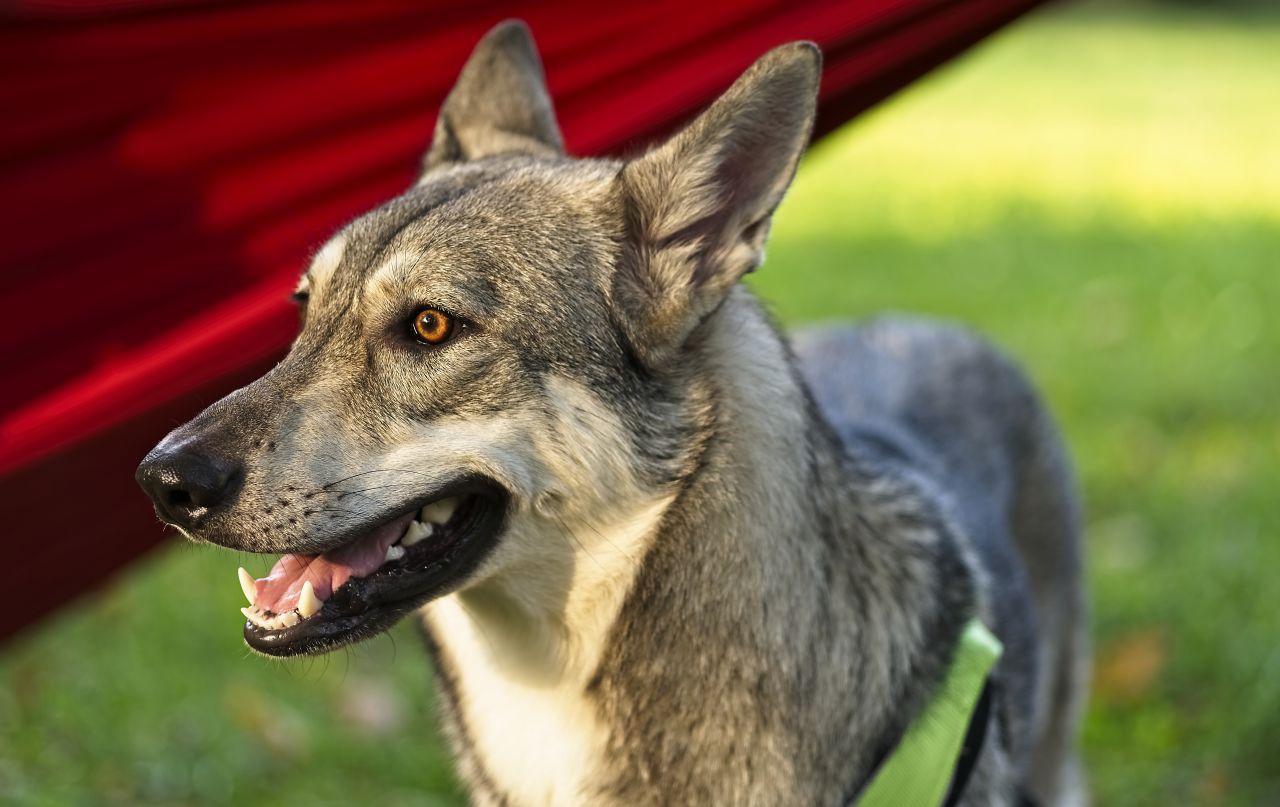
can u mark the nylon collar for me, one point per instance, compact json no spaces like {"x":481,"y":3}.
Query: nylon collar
{"x":922,"y":770}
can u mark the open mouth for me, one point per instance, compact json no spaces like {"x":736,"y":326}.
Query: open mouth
{"x":315,"y":603}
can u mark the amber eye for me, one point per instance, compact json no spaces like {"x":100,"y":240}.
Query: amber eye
{"x":432,"y":326}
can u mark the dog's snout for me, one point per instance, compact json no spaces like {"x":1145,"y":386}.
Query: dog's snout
{"x":186,"y":484}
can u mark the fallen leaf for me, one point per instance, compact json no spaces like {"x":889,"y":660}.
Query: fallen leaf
{"x":275,"y":725}
{"x":1129,"y":665}
{"x":1214,"y":786}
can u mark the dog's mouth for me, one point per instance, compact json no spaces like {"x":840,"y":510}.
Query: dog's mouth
{"x":311,"y":604}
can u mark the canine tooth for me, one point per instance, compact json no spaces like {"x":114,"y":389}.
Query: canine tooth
{"x":440,"y":512}
{"x":308,"y":602}
{"x":416,"y":532}
{"x":395,"y":552}
{"x":247,"y":586}
{"x":248,"y":614}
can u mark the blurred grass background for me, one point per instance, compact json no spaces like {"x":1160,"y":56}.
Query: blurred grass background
{"x":1098,"y":189}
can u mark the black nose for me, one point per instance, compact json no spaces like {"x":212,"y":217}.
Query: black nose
{"x":186,"y":484}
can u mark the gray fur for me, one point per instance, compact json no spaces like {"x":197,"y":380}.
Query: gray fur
{"x":827,"y":520}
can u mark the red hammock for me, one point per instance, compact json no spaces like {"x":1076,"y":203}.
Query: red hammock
{"x":167,"y":167}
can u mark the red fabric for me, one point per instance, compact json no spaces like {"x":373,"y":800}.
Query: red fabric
{"x":167,"y":167}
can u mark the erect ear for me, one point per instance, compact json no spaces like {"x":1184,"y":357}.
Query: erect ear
{"x":499,"y":104}
{"x":698,"y":207}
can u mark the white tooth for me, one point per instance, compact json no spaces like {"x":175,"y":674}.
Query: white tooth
{"x":416,"y":532}
{"x":308,"y":602}
{"x":256,"y":616}
{"x":289,"y":620}
{"x":247,"y":586}
{"x":394,"y":553}
{"x":439,"y":512}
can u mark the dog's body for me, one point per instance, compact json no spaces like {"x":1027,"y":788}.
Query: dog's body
{"x":919,"y":481}
{"x":700,"y":569}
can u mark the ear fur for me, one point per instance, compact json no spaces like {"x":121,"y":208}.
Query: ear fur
{"x":499,"y":105}
{"x":698,"y":207}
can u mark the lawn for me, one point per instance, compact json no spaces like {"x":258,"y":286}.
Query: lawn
{"x":1096,"y":189}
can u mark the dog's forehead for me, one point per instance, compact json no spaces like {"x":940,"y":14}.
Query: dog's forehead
{"x":486,"y":218}
{"x":346,"y":261}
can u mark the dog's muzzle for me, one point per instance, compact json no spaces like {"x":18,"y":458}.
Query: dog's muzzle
{"x":371,"y":573}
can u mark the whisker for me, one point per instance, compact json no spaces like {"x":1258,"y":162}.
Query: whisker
{"x":580,"y":545}
{"x":374,"y":471}
{"x":377,"y":487}
{"x":610,"y":542}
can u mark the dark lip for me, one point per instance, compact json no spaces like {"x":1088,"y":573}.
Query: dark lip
{"x":365,"y":607}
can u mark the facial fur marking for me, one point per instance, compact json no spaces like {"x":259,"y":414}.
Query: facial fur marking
{"x":324,"y":264}
{"x":393,"y":272}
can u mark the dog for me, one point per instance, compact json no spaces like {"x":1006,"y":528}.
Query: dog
{"x":660,"y":553}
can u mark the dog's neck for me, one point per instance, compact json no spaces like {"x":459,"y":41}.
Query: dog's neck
{"x":701,"y":631}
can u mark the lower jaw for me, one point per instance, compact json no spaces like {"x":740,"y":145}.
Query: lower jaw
{"x":366,"y":607}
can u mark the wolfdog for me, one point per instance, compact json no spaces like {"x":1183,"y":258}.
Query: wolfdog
{"x":659,"y":552}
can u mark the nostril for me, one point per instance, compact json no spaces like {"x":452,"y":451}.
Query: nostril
{"x":213,"y":487}
{"x":178,"y":498}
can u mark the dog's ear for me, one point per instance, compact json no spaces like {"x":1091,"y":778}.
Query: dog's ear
{"x":499,"y":105}
{"x":698,"y":206}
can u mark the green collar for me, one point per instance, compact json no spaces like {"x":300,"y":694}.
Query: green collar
{"x":919,"y":771}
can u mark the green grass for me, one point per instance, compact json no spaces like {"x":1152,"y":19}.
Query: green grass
{"x":1097,"y":190}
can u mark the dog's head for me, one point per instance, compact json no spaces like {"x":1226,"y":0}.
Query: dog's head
{"x":490,"y":365}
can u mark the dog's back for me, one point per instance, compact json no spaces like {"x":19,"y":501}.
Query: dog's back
{"x":935,"y":401}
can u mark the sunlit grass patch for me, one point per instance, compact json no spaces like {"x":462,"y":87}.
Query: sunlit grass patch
{"x":1087,"y":118}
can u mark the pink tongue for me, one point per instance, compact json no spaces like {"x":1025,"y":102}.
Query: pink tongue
{"x":278,"y":591}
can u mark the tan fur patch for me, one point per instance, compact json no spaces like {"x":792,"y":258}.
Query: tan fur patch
{"x":323,"y":265}
{"x":526,"y":638}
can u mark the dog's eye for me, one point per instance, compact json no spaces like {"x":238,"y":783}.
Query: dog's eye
{"x":302,"y":292}
{"x":432,"y":326}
